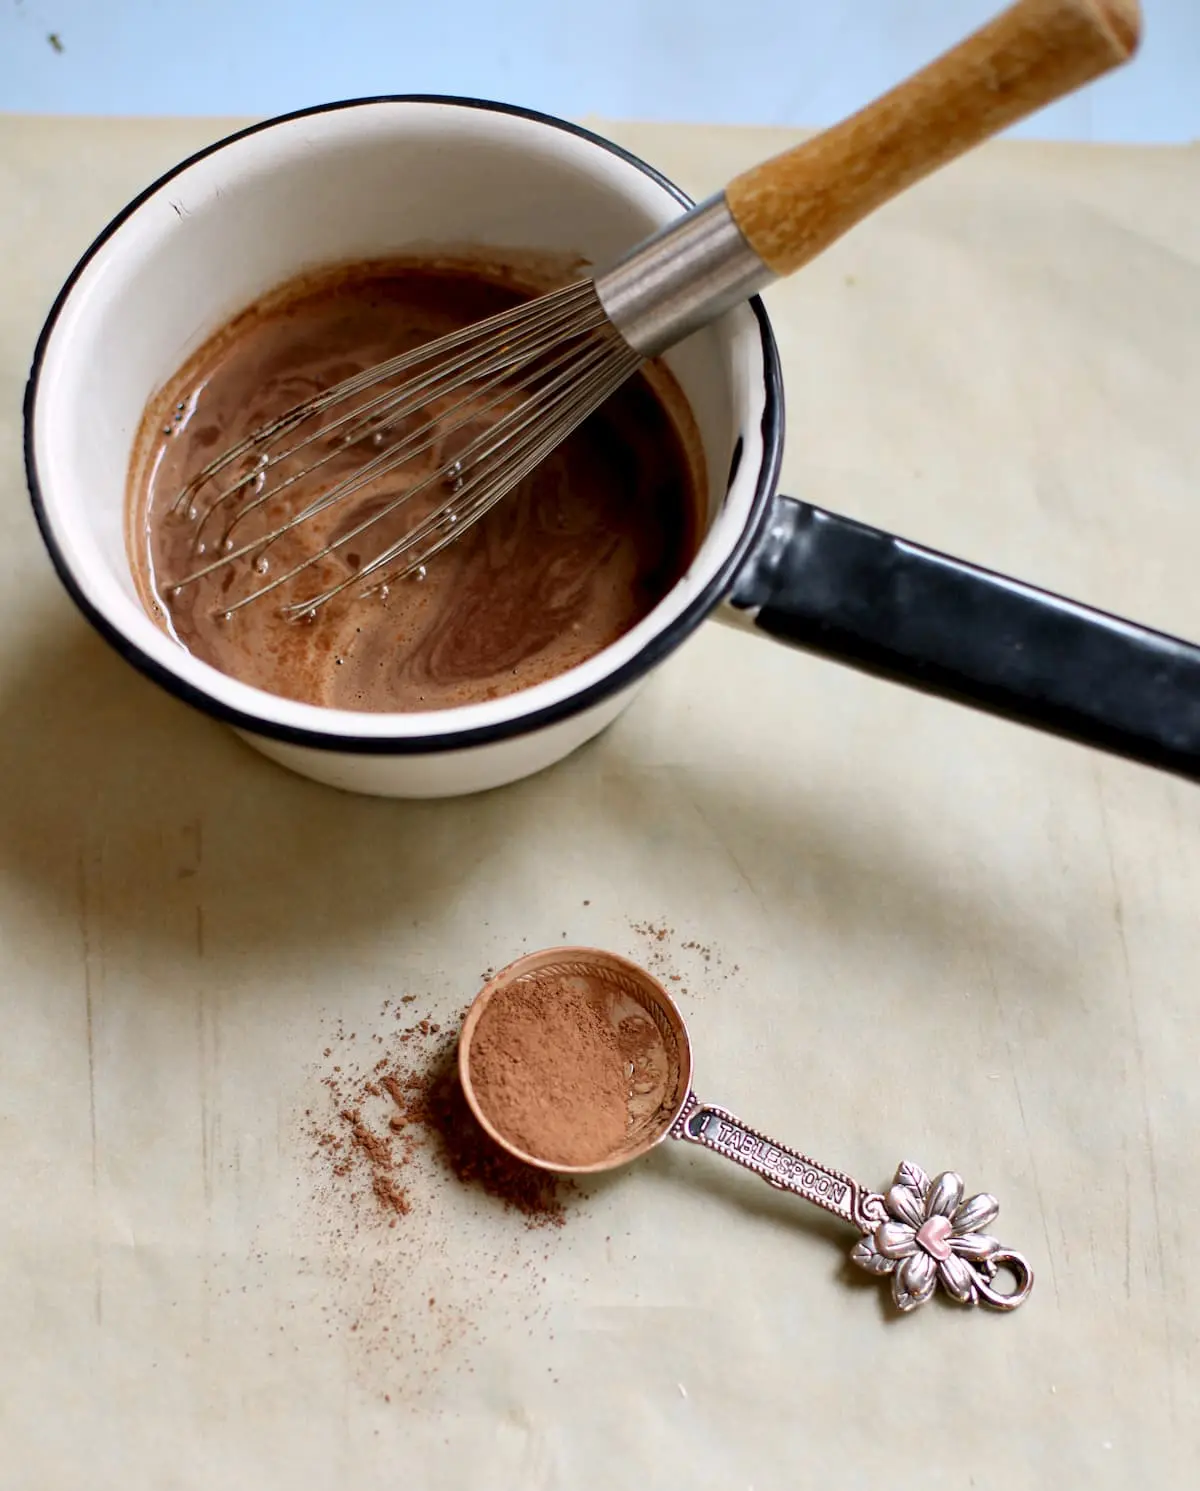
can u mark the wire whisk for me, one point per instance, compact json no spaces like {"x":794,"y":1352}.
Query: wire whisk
{"x":531,"y":375}
{"x":540,"y":369}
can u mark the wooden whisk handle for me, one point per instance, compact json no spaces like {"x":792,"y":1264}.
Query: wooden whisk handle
{"x":792,"y":207}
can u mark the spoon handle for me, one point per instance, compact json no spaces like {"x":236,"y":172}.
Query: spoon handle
{"x":922,"y":1232}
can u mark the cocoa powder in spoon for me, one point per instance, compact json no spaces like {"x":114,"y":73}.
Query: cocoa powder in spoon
{"x":550,"y":1071}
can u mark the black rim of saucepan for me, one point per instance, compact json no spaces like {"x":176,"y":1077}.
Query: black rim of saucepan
{"x":655,"y":649}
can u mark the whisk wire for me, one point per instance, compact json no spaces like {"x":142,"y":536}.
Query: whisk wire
{"x":382,"y":465}
{"x":378,"y":466}
{"x":502,"y":484}
{"x":515,"y":459}
{"x":540,"y":316}
{"x":412,"y":446}
{"x":455,"y":517}
{"x":494,"y":354}
{"x":554,"y":360}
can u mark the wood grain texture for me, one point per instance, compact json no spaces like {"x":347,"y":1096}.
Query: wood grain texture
{"x":794,"y":206}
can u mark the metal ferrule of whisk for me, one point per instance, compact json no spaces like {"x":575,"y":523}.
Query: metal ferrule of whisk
{"x":681,"y":279}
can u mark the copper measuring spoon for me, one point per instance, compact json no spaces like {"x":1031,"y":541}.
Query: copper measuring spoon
{"x":922,"y":1232}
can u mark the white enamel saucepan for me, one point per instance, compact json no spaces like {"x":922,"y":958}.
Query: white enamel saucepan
{"x":378,"y":177}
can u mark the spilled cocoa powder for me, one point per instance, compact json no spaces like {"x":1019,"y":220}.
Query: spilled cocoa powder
{"x":676,"y":959}
{"x":434,"y":1101}
{"x":420,"y":1237}
{"x":426,"y":1112}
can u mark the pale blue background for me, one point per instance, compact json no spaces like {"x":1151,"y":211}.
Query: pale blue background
{"x":728,"y":61}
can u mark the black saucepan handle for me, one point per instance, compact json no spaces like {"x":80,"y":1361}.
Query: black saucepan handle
{"x":892,"y":608}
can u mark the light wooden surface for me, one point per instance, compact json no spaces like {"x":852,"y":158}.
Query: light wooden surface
{"x":955,"y":941}
{"x":793,"y":207}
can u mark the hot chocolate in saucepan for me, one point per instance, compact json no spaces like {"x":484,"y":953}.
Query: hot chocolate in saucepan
{"x":575,"y":556}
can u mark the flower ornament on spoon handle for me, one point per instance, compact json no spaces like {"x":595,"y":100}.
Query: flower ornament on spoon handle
{"x":922,"y":1232}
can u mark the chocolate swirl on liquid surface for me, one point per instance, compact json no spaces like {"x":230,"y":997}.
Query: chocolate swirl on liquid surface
{"x":579,"y":553}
